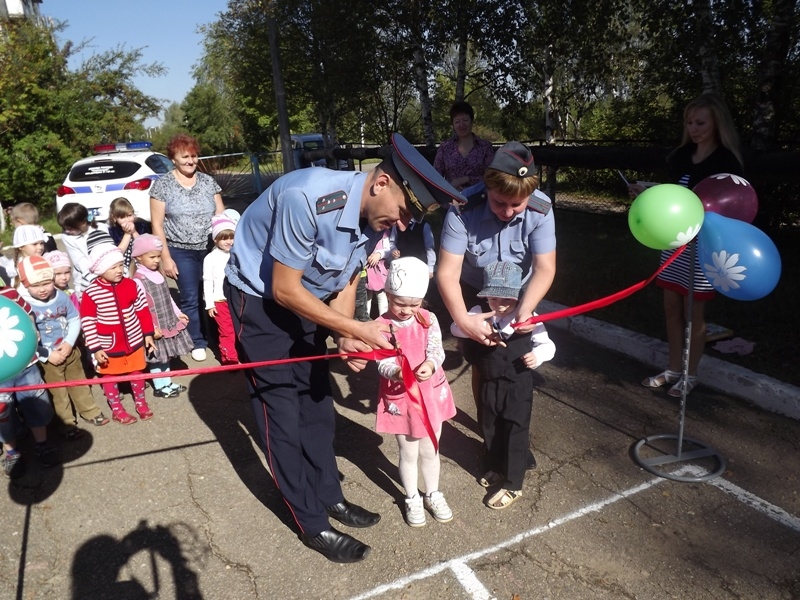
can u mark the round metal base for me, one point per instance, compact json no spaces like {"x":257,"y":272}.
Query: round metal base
{"x":697,"y":451}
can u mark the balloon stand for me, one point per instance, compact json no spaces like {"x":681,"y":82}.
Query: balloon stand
{"x":660,"y":458}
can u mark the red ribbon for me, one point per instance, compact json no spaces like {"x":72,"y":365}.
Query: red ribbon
{"x":601,"y":302}
{"x":415,"y":394}
{"x":407,"y":372}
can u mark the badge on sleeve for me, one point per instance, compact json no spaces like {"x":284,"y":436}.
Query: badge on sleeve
{"x":332,"y":201}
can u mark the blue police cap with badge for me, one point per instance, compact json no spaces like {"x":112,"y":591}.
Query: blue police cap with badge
{"x":426,"y":189}
{"x":516,"y":159}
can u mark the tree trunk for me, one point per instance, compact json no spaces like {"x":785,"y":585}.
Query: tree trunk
{"x":421,"y":77}
{"x":461,"y":65}
{"x":770,"y":82}
{"x":709,"y":64}
{"x":280,"y":90}
{"x":549,"y":118}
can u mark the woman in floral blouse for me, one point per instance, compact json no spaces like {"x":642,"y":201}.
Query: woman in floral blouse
{"x":182,"y":203}
{"x":463,"y":158}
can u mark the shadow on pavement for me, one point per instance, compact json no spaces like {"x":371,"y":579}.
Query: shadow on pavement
{"x":99,"y":563}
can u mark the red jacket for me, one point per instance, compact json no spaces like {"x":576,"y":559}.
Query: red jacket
{"x":115,"y":317}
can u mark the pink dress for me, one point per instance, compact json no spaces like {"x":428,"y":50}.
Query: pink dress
{"x":420,"y":339}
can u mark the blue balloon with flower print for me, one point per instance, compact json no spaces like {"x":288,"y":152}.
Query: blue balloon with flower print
{"x":738,"y":259}
{"x":18,"y":339}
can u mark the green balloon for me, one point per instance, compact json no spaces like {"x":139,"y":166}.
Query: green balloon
{"x":666,"y":216}
{"x":17,"y":339}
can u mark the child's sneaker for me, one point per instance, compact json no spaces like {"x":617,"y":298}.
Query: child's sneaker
{"x":47,"y":455}
{"x":415,"y":515}
{"x":13,"y":465}
{"x":437,"y":505}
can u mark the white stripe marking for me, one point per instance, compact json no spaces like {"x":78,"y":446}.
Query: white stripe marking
{"x":470,"y":582}
{"x":435,"y":569}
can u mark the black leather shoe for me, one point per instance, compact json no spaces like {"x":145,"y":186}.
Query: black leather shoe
{"x":336,"y":546}
{"x":352,"y":515}
{"x":531,"y":461}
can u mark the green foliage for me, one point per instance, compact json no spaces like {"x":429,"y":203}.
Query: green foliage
{"x":51,"y":116}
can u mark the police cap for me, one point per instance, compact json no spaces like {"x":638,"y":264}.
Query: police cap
{"x":426,"y":189}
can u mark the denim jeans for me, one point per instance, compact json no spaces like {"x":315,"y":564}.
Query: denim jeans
{"x":34,"y":404}
{"x":190,"y":281}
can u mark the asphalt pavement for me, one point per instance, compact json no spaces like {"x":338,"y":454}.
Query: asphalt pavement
{"x":182,"y":506}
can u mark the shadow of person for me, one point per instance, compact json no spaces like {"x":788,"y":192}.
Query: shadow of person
{"x":222,"y":401}
{"x":99,"y":562}
{"x":357,"y":442}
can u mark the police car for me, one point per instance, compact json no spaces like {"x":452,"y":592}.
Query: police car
{"x":116,"y":170}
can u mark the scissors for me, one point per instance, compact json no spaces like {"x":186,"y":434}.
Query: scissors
{"x":496,"y":331}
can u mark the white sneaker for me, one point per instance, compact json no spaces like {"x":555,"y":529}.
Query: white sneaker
{"x":436,"y":503}
{"x":199,"y":354}
{"x":415,"y":515}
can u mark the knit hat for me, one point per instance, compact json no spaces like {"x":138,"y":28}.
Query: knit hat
{"x":103,"y":257}
{"x":27,"y":234}
{"x":515,"y":159}
{"x":147,"y":242}
{"x":97,"y":237}
{"x":34,"y":269}
{"x":57,"y":259}
{"x":501,"y":280}
{"x":220,"y":223}
{"x":408,"y":277}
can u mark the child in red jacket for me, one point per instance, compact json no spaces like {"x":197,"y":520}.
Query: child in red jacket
{"x":118,"y":328}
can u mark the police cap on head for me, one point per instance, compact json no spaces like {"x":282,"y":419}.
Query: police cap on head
{"x":515,"y":159}
{"x":426,"y":189}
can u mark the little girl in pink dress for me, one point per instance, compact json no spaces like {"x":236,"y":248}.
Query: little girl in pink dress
{"x":418,"y":335}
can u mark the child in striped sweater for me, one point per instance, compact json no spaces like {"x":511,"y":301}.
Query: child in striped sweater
{"x":118,"y":329}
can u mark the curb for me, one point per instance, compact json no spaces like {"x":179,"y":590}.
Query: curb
{"x":765,"y":392}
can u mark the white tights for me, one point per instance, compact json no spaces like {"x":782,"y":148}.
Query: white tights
{"x":412,"y":449}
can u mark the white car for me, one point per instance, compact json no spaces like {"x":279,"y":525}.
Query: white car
{"x":116,"y":170}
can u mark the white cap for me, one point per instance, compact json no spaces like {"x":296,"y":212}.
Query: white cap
{"x":408,"y":278}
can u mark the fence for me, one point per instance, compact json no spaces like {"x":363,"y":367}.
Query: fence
{"x":576,"y":175}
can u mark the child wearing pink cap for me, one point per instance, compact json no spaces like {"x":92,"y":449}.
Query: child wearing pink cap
{"x":118,"y":327}
{"x":171,"y":336}
{"x":223,"y":227}
{"x":62,"y":273}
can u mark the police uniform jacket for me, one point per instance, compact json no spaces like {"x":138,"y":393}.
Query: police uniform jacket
{"x":476,"y":233}
{"x":308,"y":220}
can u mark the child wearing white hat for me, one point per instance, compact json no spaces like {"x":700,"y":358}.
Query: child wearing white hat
{"x":416,"y":332}
{"x":223,"y":227}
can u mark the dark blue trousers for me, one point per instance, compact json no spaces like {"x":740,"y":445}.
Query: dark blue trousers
{"x":292,"y":404}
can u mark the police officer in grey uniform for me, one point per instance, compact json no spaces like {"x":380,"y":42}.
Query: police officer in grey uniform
{"x":505,"y":219}
{"x":291,"y":282}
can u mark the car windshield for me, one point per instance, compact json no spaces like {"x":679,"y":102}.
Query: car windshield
{"x":103,"y":169}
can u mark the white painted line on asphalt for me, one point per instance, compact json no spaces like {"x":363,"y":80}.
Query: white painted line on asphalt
{"x":470,"y":577}
{"x":470,"y":582}
{"x":775,"y":513}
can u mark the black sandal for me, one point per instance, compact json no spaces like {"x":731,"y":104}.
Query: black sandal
{"x":73,"y":433}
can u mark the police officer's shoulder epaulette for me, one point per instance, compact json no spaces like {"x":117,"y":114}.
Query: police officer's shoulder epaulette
{"x":333,"y":201}
{"x":539,"y":203}
{"x":474,"y":201}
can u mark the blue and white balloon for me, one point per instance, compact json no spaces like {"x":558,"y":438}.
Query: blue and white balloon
{"x":738,"y":259}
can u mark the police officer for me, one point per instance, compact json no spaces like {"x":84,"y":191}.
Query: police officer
{"x":508,"y":219}
{"x":291,"y":281}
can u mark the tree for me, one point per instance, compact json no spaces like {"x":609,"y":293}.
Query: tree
{"x":51,"y":116}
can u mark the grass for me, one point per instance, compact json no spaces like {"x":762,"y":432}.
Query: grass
{"x":598,"y":255}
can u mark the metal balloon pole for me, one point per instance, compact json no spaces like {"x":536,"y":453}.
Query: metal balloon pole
{"x":696,"y":449}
